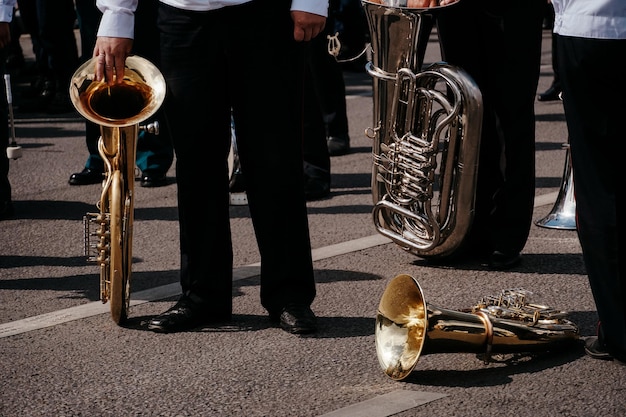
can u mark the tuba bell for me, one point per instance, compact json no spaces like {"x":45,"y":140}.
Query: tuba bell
{"x":118,"y":109}
{"x":406,"y":327}
{"x":426,"y":137}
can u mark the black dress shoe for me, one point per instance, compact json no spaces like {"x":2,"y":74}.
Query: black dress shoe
{"x":296,"y":319}
{"x":6,"y":210}
{"x":316,"y":182}
{"x":85,"y":177}
{"x":153,"y":179}
{"x":338,"y":145}
{"x":595,"y":349}
{"x":316,"y":188}
{"x":551,"y":94}
{"x":502,"y":260}
{"x":184,"y":315}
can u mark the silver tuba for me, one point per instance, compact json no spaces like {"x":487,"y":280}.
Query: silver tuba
{"x":426,"y":137}
{"x":118,"y":109}
{"x":406,"y":327}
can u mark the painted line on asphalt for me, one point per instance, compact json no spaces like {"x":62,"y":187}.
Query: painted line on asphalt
{"x":387,"y":404}
{"x":158,"y":293}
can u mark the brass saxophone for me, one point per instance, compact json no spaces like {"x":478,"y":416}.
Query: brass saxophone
{"x":406,"y":327}
{"x":426,"y":137}
{"x":118,"y":109}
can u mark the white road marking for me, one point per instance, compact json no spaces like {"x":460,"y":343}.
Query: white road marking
{"x":158,"y":293}
{"x":386,"y":405}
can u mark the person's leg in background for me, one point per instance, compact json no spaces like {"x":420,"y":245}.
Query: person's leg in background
{"x":56,"y":22}
{"x":328,"y":72}
{"x":554,"y":91}
{"x":155,"y":153}
{"x":497,"y":43}
{"x":6,"y":205}
{"x":314,"y":149}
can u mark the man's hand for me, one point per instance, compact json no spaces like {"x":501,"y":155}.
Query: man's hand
{"x":306,"y":26}
{"x":111,"y":56}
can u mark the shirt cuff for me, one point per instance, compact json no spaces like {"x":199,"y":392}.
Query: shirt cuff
{"x":117,"y":24}
{"x":311,"y":6}
{"x":6,"y":13}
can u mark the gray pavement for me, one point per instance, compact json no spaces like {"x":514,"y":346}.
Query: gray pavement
{"x":62,"y":355}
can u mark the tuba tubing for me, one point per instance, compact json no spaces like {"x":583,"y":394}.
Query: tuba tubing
{"x":406,"y":327}
{"x":426,"y":135}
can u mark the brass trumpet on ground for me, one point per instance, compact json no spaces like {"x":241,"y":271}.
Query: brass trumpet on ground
{"x":426,"y":137}
{"x":118,"y":109}
{"x":406,"y":327}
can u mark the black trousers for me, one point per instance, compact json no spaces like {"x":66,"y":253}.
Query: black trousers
{"x":51,"y":26}
{"x":499,"y":44}
{"x":215,"y":62}
{"x":593,"y":99}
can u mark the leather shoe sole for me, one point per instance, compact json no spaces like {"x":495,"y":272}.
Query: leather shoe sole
{"x":296,"y":319}
{"x":85,"y":177}
{"x":6,"y":210}
{"x":316,"y":182}
{"x":501,"y":261}
{"x":315,"y":189}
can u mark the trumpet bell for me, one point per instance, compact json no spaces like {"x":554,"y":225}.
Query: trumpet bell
{"x":134,"y":100}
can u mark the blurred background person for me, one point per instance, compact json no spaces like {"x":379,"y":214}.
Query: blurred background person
{"x":499,"y":44}
{"x":7,"y":9}
{"x":51,"y":26}
{"x":554,"y":91}
{"x":326,"y":117}
{"x":155,"y":152}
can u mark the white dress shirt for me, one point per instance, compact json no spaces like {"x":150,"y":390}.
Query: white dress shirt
{"x":596,"y":19}
{"x":118,"y":21}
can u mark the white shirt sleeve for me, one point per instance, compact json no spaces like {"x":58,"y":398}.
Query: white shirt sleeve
{"x":319,"y":7}
{"x":118,"y":18}
{"x":6,"y":10}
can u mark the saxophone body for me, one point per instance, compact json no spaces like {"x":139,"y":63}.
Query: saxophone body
{"x":426,"y":135}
